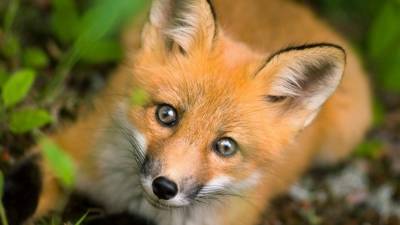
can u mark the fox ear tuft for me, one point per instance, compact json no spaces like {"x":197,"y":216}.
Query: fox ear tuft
{"x":184,"y":23}
{"x":306,"y":76}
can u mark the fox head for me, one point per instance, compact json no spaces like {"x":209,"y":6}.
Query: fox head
{"x":219,"y":112}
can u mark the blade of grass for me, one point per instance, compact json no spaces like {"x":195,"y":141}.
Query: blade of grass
{"x":10,"y":16}
{"x":80,"y":221}
{"x":3,"y":216}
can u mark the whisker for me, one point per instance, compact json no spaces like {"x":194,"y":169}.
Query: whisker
{"x":135,"y":149}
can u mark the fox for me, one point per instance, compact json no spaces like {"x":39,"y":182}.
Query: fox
{"x":242,"y":98}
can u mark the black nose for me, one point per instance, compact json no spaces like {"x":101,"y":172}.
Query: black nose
{"x":164,"y":188}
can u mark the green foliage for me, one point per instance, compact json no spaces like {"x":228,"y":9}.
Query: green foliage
{"x":14,"y":90}
{"x":102,"y":51}
{"x":390,"y":77}
{"x":10,"y":15}
{"x":35,"y":58}
{"x":369,"y":149}
{"x":91,"y":31}
{"x":28,"y":119}
{"x":74,"y":32}
{"x":65,"y":20}
{"x":80,"y":221}
{"x":96,"y":27}
{"x":60,"y":163}
{"x":385,"y":30}
{"x":89,"y":36}
{"x":375,"y":28}
{"x":17,"y":87}
{"x":11,"y":46}
{"x":101,"y":21}
{"x":384,"y":45}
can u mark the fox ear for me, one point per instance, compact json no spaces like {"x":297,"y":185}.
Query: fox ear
{"x":181,"y":23}
{"x":302,"y":78}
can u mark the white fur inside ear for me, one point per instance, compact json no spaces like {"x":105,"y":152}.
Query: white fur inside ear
{"x":324,"y":91}
{"x":288,"y":82}
{"x":159,"y":13}
{"x":294,"y":82}
{"x":185,"y":28}
{"x":182,"y":21}
{"x":179,"y":24}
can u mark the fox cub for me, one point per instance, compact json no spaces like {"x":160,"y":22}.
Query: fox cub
{"x":233,"y":116}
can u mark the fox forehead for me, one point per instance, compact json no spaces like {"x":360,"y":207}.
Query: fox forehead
{"x":219,"y":77}
{"x":216,"y":95}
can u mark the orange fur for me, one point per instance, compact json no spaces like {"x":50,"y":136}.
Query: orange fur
{"x":214,"y":85}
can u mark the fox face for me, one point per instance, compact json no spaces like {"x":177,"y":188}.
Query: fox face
{"x":219,"y":113}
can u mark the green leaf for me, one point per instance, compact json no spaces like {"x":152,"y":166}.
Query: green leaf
{"x":65,"y":21}
{"x":102,"y":20}
{"x":107,"y":16}
{"x":369,"y":149}
{"x":28,"y":119}
{"x":17,"y":87}
{"x":391,"y":72}
{"x":60,"y":163}
{"x":385,"y":31}
{"x":139,"y":97}
{"x":35,"y":57}
{"x":11,"y":46}
{"x":101,"y":52}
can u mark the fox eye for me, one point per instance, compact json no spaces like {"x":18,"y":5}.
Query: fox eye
{"x":225,"y":147}
{"x":166,"y":115}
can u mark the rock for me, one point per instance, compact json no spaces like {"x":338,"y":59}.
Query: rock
{"x":382,"y":201}
{"x":351,"y":184}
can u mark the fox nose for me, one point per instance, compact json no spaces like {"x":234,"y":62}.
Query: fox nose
{"x":164,"y":188}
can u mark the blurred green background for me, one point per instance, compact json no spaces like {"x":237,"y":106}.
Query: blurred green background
{"x":55,"y":54}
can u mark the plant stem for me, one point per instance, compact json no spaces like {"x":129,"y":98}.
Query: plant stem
{"x":3,"y":215}
{"x":10,"y":16}
{"x":56,"y":85}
